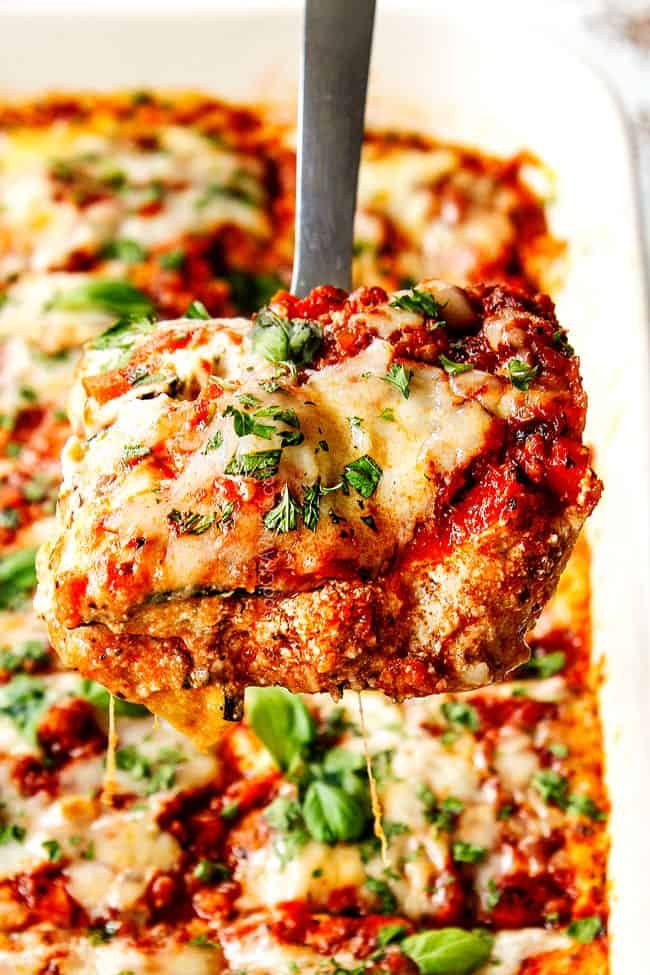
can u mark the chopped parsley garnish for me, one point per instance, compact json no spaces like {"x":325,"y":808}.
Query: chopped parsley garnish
{"x":210,"y":871}
{"x":284,"y":415}
{"x":387,"y":414}
{"x":448,"y":950}
{"x":12,"y":833}
{"x":505,"y":812}
{"x":191,"y":522}
{"x":521,"y":375}
{"x":259,"y":465}
{"x":119,"y":298}
{"x":460,"y":713}
{"x":17,"y":577}
{"x":123,"y":249}
{"x":159,"y":773}
{"x":9,"y":518}
{"x":364,"y":475}
{"x":544,"y":666}
{"x":173,"y":260}
{"x":135,"y":451}
{"x":202,"y":941}
{"x":213,"y":443}
{"x":53,"y":849}
{"x":400,"y":378}
{"x":246,"y":425}
{"x":230,"y":811}
{"x":23,"y":701}
{"x":552,"y":787}
{"x":585,"y":929}
{"x":27,"y":652}
{"x":467,"y":852}
{"x":229,"y":191}
{"x":579,"y":804}
{"x":559,"y":749}
{"x":562,"y":344}
{"x":291,"y":438}
{"x":292,"y":340}
{"x":196,"y":309}
{"x":443,"y":814}
{"x":380,"y":889}
{"x":421,"y":303}
{"x":284,"y":516}
{"x":492,"y":895}
{"x":311,"y":505}
{"x":454,"y":368}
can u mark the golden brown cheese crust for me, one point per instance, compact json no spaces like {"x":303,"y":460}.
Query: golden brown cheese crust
{"x":407,"y":548}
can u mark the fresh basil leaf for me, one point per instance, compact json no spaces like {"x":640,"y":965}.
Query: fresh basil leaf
{"x":421,"y":303}
{"x":122,"y":334}
{"x":332,"y":815}
{"x":521,"y":375}
{"x":448,"y":951}
{"x":99,"y":697}
{"x":364,"y":475}
{"x":344,"y":760}
{"x":17,"y":577}
{"x":281,"y":721}
{"x":390,"y":933}
{"x":293,"y":340}
{"x":260,"y":464}
{"x":119,"y":298}
{"x":250,"y":292}
{"x":585,"y":929}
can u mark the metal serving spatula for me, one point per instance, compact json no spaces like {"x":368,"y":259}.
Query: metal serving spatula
{"x":334,"y":76}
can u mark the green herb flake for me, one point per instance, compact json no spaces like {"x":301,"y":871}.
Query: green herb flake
{"x":23,"y":701}
{"x":364,"y":475}
{"x":311,"y":506}
{"x":134,"y":451}
{"x":387,"y":414}
{"x":467,"y":852}
{"x":210,"y":871}
{"x":196,"y":309}
{"x":284,"y":516}
{"x":399,"y":377}
{"x":202,"y":941}
{"x":492,"y":895}
{"x":123,"y":333}
{"x":173,"y":260}
{"x":552,"y":787}
{"x":585,"y":929}
{"x":230,"y":811}
{"x":380,"y":889}
{"x":213,"y":442}
{"x":190,"y":522}
{"x":123,"y":249}
{"x":12,"y":833}
{"x":454,"y":368}
{"x":562,"y":344}
{"x":544,"y":666}
{"x":460,"y":713}
{"x":421,"y":303}
{"x":390,"y":934}
{"x":53,"y":850}
{"x":258,"y":465}
{"x":246,"y":425}
{"x":579,"y":804}
{"x":520,"y":374}
{"x":292,"y":340}
{"x":559,"y":749}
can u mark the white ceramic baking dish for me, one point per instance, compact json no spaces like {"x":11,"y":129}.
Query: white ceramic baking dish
{"x":490,"y":85}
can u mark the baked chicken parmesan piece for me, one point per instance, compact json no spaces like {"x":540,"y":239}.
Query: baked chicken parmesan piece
{"x":363,"y":491}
